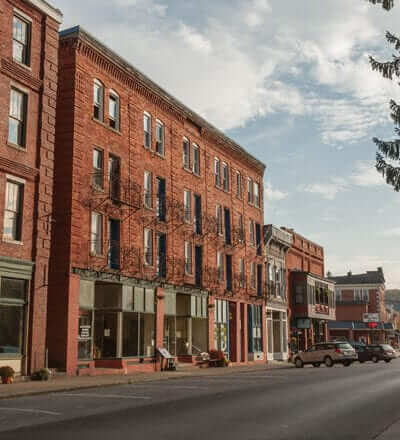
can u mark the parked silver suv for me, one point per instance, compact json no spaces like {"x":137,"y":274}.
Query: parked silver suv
{"x":329,"y":353}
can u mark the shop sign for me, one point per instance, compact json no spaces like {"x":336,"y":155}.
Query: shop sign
{"x":84,"y":331}
{"x":303,"y":323}
{"x":371,"y":317}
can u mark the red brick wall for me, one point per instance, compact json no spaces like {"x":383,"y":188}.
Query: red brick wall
{"x":78,"y":133}
{"x":35,"y":163}
{"x":353,"y":312}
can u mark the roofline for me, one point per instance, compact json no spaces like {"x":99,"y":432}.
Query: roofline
{"x":355,"y":285}
{"x":48,"y":9}
{"x":327,"y":280}
{"x":294,"y":232}
{"x":85,"y":36}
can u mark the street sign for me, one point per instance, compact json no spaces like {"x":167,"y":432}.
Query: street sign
{"x":371,"y":317}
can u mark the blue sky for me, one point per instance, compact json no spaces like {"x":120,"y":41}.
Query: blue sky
{"x":290,"y":81}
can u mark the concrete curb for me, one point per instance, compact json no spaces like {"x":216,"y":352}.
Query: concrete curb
{"x":134,"y":379}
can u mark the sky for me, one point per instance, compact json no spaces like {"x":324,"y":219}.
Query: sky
{"x":291,"y":82}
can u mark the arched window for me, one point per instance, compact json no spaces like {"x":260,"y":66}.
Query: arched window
{"x":114,"y":110}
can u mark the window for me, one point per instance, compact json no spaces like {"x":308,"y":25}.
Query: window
{"x":251,"y":230}
{"x":13,"y":210}
{"x":238,"y":185}
{"x":114,"y":176}
{"x":258,"y":239}
{"x":188,"y":258}
{"x":365,"y":295}
{"x":186,"y":153}
{"x":227,"y":215}
{"x":160,"y":138}
{"x":250,"y":196}
{"x":98,"y":168}
{"x":148,"y":190}
{"x":187,"y":201}
{"x":114,"y":232}
{"x":338,"y":293}
{"x":98,"y":100}
{"x":196,"y":159}
{"x":147,"y":130}
{"x":255,"y":338}
{"x":357,"y":294}
{"x":220,"y":266}
{"x":228,"y":272}
{"x":217,"y":170}
{"x":148,"y":247}
{"x":96,"y":234}
{"x":161,"y":202}
{"x":259,"y":280}
{"x":219,"y":220}
{"x":12,"y":315}
{"x":253,"y":275}
{"x":114,"y":110}
{"x":241,"y":272}
{"x":162,"y":255}
{"x":21,"y":40}
{"x":257,"y":194}
{"x":240,"y":229}
{"x":198,"y":221}
{"x":225,"y":176}
{"x":17,"y":117}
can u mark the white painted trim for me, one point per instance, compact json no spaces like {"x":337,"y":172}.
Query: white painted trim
{"x":49,"y":10}
{"x":15,"y":179}
{"x":358,"y":286}
{"x":23,"y":15}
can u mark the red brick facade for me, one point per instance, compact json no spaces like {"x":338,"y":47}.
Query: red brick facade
{"x":30,"y":165}
{"x":83,"y":61}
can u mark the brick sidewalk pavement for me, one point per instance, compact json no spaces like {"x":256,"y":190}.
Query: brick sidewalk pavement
{"x":63,"y":383}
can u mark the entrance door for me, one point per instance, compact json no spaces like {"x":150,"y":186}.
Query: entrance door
{"x":169,"y":334}
{"x":105,"y":332}
{"x":232,"y":332}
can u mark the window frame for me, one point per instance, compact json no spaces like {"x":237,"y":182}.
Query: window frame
{"x":160,"y":142}
{"x":188,"y":251}
{"x":220,"y":221}
{"x":196,"y":162}
{"x":147,"y":141}
{"x":148,"y":247}
{"x":148,"y":189}
{"x":97,"y":244}
{"x":225,"y":177}
{"x":114,"y":96}
{"x":26,"y":58}
{"x":253,"y":276}
{"x":99,"y":105}
{"x":186,"y":155}
{"x":250,"y":191}
{"x":18,"y":213}
{"x":187,"y":206}
{"x":217,"y":172}
{"x":252,"y":233}
{"x":238,"y":185}
{"x":220,"y":266}
{"x":22,"y":121}
{"x":98,"y":172}
{"x":256,"y":194}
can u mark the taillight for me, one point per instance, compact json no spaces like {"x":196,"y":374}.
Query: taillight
{"x":338,"y":350}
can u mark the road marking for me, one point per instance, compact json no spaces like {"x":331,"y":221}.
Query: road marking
{"x":32,"y":411}
{"x":105,"y":396}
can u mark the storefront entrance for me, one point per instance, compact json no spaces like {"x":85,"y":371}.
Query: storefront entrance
{"x":277,"y":334}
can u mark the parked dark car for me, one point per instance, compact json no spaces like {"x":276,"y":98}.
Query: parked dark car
{"x":376,"y":353}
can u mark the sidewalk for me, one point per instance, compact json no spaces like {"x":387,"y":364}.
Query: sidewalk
{"x":63,"y":383}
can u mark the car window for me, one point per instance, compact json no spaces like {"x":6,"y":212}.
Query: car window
{"x":386,"y":347}
{"x":345,"y":346}
{"x":312,"y":348}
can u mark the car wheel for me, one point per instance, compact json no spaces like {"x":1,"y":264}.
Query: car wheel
{"x":347,"y":363}
{"x":328,"y":362}
{"x":387,"y":360}
{"x":316,"y":364}
{"x":375,"y":359}
{"x":299,"y":363}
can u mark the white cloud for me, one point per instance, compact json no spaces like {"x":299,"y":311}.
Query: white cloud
{"x":366,"y":174}
{"x":274,"y":195}
{"x":392,"y":233}
{"x":195,"y":40}
{"x":328,"y":190}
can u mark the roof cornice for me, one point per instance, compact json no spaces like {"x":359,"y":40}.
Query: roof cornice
{"x":48,"y":9}
{"x":140,"y":81}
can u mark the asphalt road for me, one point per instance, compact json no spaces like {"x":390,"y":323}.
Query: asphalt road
{"x":359,"y":402}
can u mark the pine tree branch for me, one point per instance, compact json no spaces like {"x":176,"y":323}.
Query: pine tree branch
{"x":386,"y":4}
{"x":389,"y":172}
{"x":393,"y":40}
{"x":389,"y":149}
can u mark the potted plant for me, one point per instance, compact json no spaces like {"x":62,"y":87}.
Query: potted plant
{"x":7,"y":375}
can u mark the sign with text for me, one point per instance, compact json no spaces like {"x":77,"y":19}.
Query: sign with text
{"x":164,"y":353}
{"x":371,"y":317}
{"x":303,"y":323}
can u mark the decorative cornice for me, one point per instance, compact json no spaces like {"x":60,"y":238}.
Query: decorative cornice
{"x":48,"y":9}
{"x":19,"y":169}
{"x":133,"y":78}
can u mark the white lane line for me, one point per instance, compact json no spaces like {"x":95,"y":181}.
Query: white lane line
{"x":31,"y":411}
{"x":105,"y":396}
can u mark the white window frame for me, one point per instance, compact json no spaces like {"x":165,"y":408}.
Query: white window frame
{"x":27,"y":21}
{"x":98,"y":104}
{"x":98,"y":172}
{"x":148,"y":189}
{"x":160,"y":141}
{"x":220,"y":224}
{"x":17,"y":211}
{"x":188,"y":258}
{"x":20,"y":115}
{"x":253,"y":282}
{"x":186,"y":153}
{"x":187,"y":205}
{"x":196,"y":162}
{"x":250,"y":189}
{"x":148,"y":247}
{"x":96,"y":233}
{"x":241,"y":229}
{"x":242,"y":272}
{"x":225,"y":176}
{"x":217,"y":171}
{"x":238,"y":185}
{"x":147,"y":130}
{"x":252,"y":232}
{"x":113,"y":96}
{"x":256,"y":194}
{"x":220,"y":266}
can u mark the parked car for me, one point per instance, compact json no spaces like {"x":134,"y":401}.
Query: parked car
{"x":376,"y":353}
{"x":329,"y":353}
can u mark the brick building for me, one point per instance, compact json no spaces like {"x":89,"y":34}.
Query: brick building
{"x":28,"y":86}
{"x":357,"y":294}
{"x":311,"y":295}
{"x":157,"y":240}
{"x":277,"y":244}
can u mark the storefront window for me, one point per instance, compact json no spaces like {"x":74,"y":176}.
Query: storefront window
{"x":12,"y":316}
{"x":85,"y":335}
{"x":221,"y":325}
{"x":257,"y":329}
